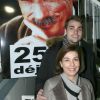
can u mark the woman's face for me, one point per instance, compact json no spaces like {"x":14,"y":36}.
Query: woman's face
{"x":70,"y":64}
{"x":48,"y":15}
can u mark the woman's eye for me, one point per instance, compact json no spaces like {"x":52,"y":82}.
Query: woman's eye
{"x":66,"y":60}
{"x":76,"y":59}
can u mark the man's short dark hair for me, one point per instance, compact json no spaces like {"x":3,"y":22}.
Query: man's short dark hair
{"x":75,"y":18}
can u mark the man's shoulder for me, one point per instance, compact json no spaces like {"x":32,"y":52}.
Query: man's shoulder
{"x":13,"y":22}
{"x":54,"y":48}
{"x":86,"y":44}
{"x":54,"y":41}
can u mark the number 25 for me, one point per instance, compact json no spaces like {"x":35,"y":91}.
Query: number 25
{"x":37,"y":51}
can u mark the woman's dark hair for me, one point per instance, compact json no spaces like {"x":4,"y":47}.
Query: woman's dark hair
{"x":62,"y":53}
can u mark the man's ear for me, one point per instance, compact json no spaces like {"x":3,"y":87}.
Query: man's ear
{"x":65,"y":31}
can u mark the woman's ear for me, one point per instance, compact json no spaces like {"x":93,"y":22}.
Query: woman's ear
{"x":60,"y":63}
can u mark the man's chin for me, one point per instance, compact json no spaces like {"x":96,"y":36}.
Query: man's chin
{"x":74,"y":42}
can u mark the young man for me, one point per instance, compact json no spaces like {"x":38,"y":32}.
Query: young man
{"x":73,"y":36}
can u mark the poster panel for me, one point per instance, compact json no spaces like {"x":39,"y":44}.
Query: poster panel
{"x":23,"y":41}
{"x":24,"y":37}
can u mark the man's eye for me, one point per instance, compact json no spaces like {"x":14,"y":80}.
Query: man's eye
{"x":80,"y":29}
{"x":71,"y":28}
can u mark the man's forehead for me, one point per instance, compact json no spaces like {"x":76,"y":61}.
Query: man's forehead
{"x":74,"y":21}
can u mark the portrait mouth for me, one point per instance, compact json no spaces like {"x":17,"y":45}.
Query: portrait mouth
{"x":45,"y":22}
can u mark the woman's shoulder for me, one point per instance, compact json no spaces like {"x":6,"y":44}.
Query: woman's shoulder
{"x":52,"y":82}
{"x":85,"y":82}
{"x":54,"y":79}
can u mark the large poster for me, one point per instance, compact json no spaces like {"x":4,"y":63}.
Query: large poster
{"x":23,"y":38}
{"x":23,"y":41}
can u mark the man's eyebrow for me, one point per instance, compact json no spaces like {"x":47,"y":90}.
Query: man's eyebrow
{"x":26,"y":0}
{"x":73,"y":26}
{"x":70,"y":26}
{"x":80,"y":27}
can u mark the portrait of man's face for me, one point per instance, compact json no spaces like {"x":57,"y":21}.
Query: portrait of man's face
{"x":48,"y":15}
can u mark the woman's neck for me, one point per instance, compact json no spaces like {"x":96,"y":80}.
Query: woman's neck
{"x":72,"y":78}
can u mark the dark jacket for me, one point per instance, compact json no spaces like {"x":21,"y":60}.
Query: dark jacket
{"x":48,"y":64}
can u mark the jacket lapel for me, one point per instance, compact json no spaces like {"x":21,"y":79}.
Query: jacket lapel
{"x":59,"y":91}
{"x":23,"y":31}
{"x":83,"y":91}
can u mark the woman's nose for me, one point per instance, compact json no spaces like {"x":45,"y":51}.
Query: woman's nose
{"x":72,"y":63}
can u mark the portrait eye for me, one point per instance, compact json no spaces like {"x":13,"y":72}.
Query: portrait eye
{"x":24,"y":0}
{"x":50,"y":0}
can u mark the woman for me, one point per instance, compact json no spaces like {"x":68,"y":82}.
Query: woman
{"x":68,"y":85}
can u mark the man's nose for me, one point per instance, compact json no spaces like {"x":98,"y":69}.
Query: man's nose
{"x":76,"y":31}
{"x":40,"y":11}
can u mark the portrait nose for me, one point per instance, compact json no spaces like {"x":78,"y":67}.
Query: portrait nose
{"x":37,"y":1}
{"x":40,"y":11}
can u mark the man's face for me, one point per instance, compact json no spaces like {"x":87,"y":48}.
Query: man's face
{"x":48,"y":15}
{"x":74,"y":31}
